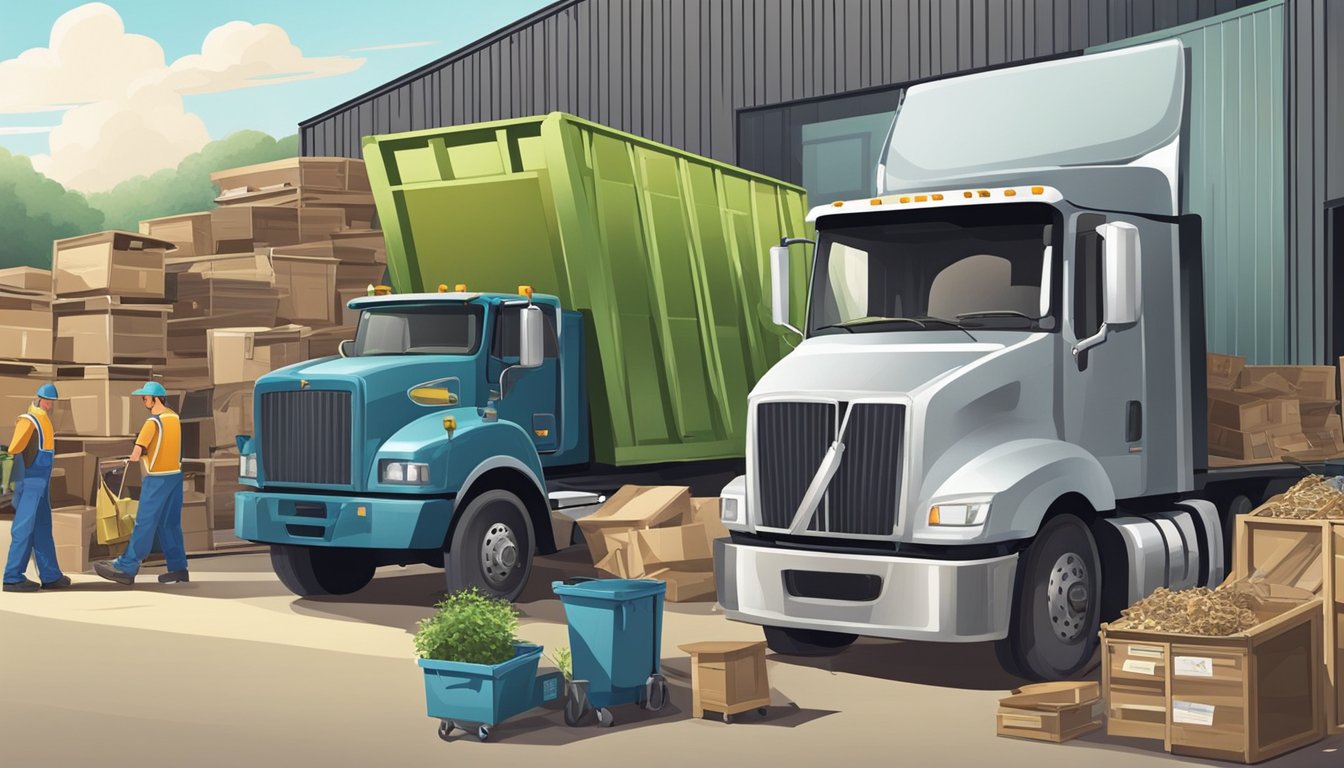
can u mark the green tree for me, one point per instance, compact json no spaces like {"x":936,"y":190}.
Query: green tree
{"x":187,"y":188}
{"x":35,"y":210}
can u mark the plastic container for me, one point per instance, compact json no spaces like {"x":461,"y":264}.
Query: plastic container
{"x":484,"y":694}
{"x":665,"y":253}
{"x":6,"y":471}
{"x":615,"y":636}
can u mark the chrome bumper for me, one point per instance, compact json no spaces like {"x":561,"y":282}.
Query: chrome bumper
{"x":937,"y":600}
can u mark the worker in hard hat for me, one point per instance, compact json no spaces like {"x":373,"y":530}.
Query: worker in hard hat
{"x":33,"y":447}
{"x":159,"y":448}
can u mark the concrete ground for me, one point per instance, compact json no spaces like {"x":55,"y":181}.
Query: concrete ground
{"x":233,"y":670}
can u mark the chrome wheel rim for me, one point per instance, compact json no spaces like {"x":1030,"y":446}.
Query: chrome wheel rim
{"x":1069,"y":596}
{"x":499,"y":554}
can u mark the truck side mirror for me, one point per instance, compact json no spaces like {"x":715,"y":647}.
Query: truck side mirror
{"x":779,"y":285}
{"x":1121,"y":271}
{"x":346,"y":347}
{"x":531,"y":338}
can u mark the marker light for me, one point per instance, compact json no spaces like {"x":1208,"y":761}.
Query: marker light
{"x":460,"y":288}
{"x":449,"y":423}
{"x":1009,"y":192}
{"x":875,"y":201}
{"x":1038,"y":190}
{"x":982,"y":192}
{"x":937,"y":195}
{"x":525,"y":290}
{"x":905,"y":199}
{"x":966,"y":194}
{"x":443,"y":288}
{"x":921,"y":198}
{"x":838,"y":203}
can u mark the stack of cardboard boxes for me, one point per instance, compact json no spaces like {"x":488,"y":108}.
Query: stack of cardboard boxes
{"x":205,"y":303}
{"x":1268,"y":413}
{"x":657,"y":532}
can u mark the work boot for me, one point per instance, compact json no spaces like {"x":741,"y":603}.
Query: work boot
{"x":60,"y":583}
{"x":22,"y":586}
{"x":108,"y":571}
{"x":173,"y":577}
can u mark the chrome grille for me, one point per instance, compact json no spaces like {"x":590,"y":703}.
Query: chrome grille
{"x":306,"y":437}
{"x":863,"y":497}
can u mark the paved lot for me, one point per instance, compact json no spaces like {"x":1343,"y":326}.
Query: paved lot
{"x":233,"y":670}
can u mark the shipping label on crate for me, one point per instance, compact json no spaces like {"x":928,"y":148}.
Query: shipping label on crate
{"x":1137,"y":667}
{"x":1146,"y":651}
{"x":1192,"y":666}
{"x":1191,"y":713}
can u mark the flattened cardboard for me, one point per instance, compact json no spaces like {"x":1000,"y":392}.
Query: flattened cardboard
{"x":1312,"y":382}
{"x":26,"y":279}
{"x":321,"y":173}
{"x":633,"y":507}
{"x":1256,"y":381}
{"x":124,"y":264}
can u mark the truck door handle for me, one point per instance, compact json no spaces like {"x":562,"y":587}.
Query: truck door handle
{"x":1133,"y":421}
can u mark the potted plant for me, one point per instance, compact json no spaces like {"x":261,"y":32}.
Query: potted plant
{"x":475,"y":668}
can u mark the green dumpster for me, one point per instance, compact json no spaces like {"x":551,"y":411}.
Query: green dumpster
{"x":665,"y":253}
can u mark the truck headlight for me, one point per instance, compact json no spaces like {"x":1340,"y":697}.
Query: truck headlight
{"x":404,"y":472}
{"x":964,"y":513}
{"x":730,"y":509}
{"x":247,"y":466}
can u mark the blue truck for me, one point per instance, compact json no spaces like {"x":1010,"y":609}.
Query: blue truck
{"x":456,"y":421}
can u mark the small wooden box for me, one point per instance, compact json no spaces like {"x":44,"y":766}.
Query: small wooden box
{"x":1055,"y":712}
{"x":728,"y":677}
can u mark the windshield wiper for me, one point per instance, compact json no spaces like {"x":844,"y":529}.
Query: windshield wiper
{"x":998,"y":313}
{"x":848,"y":325}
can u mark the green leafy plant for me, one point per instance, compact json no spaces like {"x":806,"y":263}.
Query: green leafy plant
{"x":468,"y":627}
{"x":564,"y":661}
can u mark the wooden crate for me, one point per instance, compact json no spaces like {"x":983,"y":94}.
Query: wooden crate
{"x":1245,"y":698}
{"x":1054,"y":712}
{"x":728,"y":677}
{"x":1134,"y":677}
{"x":1308,"y":554}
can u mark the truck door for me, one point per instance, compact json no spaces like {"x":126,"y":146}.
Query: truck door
{"x":531,"y":396}
{"x":1103,"y":387}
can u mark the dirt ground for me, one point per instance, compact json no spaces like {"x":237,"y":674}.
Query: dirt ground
{"x":233,"y":670}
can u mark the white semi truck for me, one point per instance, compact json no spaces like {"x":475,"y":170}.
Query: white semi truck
{"x":995,"y":427}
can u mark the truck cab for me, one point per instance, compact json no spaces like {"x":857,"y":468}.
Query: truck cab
{"x":992,"y":429}
{"x":425,"y":441}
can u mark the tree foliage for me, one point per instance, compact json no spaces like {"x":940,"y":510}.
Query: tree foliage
{"x":35,"y":210}
{"x":187,"y":188}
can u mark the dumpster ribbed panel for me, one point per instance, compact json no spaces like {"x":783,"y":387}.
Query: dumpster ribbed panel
{"x":306,"y":437}
{"x":664,"y":252}
{"x":792,"y":438}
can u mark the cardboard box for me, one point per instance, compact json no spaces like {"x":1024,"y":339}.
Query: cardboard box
{"x":1311,"y":382}
{"x":686,"y":547}
{"x":73,"y":525}
{"x":1285,"y":412}
{"x":98,"y":405}
{"x":348,"y":317}
{"x":562,"y":529}
{"x":76,"y":484}
{"x":123,"y":264}
{"x":190,"y":232}
{"x":306,"y":285}
{"x":216,"y":480}
{"x":199,"y":541}
{"x":1054,"y":712}
{"x":26,"y":279}
{"x":326,"y":342}
{"x":359,"y":276}
{"x":250,"y":267}
{"x":684,"y":586}
{"x":243,"y":355}
{"x":1236,"y":411}
{"x":316,"y":224}
{"x":101,"y":448}
{"x":195,"y":511}
{"x":633,"y":507}
{"x":320,"y":173}
{"x":1224,"y":370}
{"x":198,"y":438}
{"x":232,"y":411}
{"x":26,"y":318}
{"x":1256,"y":380}
{"x":103,"y":331}
{"x":359,"y":246}
{"x":18,"y":387}
{"x":241,"y":230}
{"x":707,"y":513}
{"x":728,"y":677}
{"x":1239,"y":445}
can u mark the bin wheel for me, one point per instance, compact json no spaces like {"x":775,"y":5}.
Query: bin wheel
{"x":761,"y":711}
{"x":727,"y":718}
{"x":446,"y":730}
{"x":483,"y":732}
{"x":574,"y":713}
{"x":605,"y":718}
{"x":655,"y":693}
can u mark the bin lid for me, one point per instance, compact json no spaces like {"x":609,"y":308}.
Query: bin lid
{"x":610,"y":589}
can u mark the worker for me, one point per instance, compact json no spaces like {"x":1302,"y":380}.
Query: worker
{"x":159,"y":448}
{"x":33,"y":447}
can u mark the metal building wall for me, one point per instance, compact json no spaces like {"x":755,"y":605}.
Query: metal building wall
{"x":677,"y":71}
{"x":1235,"y":175}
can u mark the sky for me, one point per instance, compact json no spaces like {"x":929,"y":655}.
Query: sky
{"x":99,"y":92}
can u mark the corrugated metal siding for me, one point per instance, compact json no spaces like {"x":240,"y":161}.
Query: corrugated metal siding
{"x":676,"y":71}
{"x":1236,"y":177}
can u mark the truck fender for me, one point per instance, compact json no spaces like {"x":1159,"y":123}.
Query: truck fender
{"x":1025,"y":477}
{"x":508,"y":451}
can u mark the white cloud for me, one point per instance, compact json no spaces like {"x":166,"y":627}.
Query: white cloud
{"x":123,"y":113}
{"x":395,"y":46}
{"x":101,"y":144}
{"x":23,"y":130}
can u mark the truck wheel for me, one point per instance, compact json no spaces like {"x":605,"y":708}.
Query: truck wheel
{"x":1056,"y":611}
{"x":806,"y":642}
{"x":318,"y":571}
{"x":491,"y":548}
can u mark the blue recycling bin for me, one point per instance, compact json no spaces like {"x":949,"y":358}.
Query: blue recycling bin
{"x":615,"y":636}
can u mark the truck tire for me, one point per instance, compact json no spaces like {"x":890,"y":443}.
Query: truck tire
{"x":491,"y":548}
{"x":319,"y":571}
{"x":806,"y":642}
{"x":1056,"y":604}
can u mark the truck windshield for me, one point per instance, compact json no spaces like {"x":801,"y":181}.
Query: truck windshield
{"x":972,"y":267}
{"x":436,"y":330}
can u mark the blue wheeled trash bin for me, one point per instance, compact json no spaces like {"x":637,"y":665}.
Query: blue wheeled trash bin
{"x":615,"y":636}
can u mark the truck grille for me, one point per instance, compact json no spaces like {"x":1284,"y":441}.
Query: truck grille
{"x":305,"y":437}
{"x":862,"y":499}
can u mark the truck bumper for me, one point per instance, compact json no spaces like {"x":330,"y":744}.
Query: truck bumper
{"x":341,"y":521}
{"x":937,"y":600}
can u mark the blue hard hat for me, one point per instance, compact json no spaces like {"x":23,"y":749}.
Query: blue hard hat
{"x":153,"y":389}
{"x":48,"y":392}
